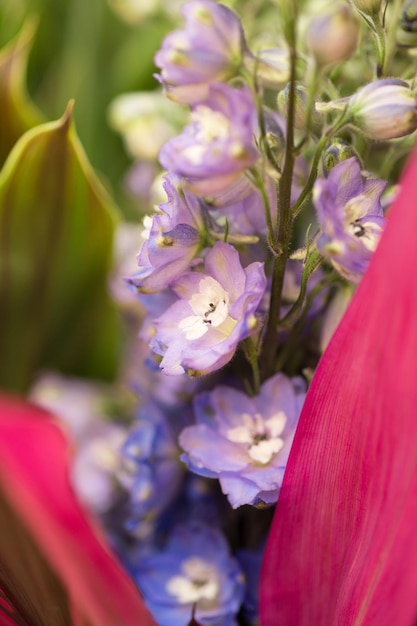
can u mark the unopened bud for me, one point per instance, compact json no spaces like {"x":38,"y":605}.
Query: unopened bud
{"x":300,"y":105}
{"x":370,"y":7}
{"x":333,"y":36}
{"x":407,"y":27}
{"x":384,"y":109}
{"x":337,"y":152}
{"x":274,"y":132}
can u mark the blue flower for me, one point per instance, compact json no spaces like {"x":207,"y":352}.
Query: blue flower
{"x":194,"y":568}
{"x":244,"y":441}
{"x":152,"y":473}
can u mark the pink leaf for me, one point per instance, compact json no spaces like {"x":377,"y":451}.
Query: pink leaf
{"x":343,"y":546}
{"x":34,"y":459}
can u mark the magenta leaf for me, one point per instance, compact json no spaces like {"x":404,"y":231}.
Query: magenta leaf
{"x":343,"y":545}
{"x":34,"y":458}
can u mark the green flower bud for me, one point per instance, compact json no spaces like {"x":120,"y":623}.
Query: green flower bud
{"x":407,"y":27}
{"x":370,"y":7}
{"x":300,"y":108}
{"x":338,"y":151}
{"x":333,"y":36}
{"x":384,"y":109}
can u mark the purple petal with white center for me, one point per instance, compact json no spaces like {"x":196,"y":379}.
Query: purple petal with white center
{"x":207,"y":448}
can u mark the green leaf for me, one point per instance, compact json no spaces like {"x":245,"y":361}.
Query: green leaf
{"x":17,"y":113}
{"x":56,"y":229}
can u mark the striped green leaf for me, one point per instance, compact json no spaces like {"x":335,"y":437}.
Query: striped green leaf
{"x":17,"y":113}
{"x":56,"y":228}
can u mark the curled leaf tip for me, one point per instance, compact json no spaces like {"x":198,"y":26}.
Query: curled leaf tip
{"x":67,"y":117}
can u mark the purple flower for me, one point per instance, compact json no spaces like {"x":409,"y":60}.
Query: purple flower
{"x":215,"y":310}
{"x":245,"y":441}
{"x":209,"y":49}
{"x":219,"y":143}
{"x":246,"y":216}
{"x":174,"y":240}
{"x":350,"y":216}
{"x":195,"y":568}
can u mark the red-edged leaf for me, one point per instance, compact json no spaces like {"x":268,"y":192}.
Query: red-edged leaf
{"x":343,"y":546}
{"x":34,"y":457}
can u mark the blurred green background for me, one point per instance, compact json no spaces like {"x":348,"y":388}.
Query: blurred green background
{"x":83,"y":50}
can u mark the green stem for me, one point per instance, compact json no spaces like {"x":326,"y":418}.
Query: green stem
{"x":381,"y":49}
{"x":251,"y":354}
{"x":311,"y":178}
{"x":260,"y":185}
{"x":391,"y":41}
{"x":284,"y":221}
{"x":312,"y":263}
{"x":313,"y":84}
{"x":296,"y":208}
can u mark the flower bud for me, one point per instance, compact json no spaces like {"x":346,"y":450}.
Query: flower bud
{"x":337,"y":152}
{"x":145,"y":120}
{"x":300,"y":105}
{"x":274,"y":132}
{"x":272,"y":66}
{"x":370,"y":7}
{"x":407,"y":27}
{"x":384,"y":109}
{"x":333,"y":36}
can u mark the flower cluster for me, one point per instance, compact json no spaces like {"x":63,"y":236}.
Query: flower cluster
{"x":276,"y":187}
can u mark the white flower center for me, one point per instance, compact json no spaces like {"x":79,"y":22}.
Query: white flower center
{"x":369,"y":234}
{"x":198,"y":582}
{"x":261,"y":437}
{"x":211,"y":125}
{"x":211,"y":308}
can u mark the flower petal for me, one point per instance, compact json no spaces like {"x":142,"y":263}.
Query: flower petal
{"x":343,"y":546}
{"x":34,"y":457}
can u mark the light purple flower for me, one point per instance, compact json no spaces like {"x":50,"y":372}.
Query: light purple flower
{"x":194,"y":568}
{"x":218,"y":145}
{"x":174,"y":240}
{"x":350,"y":216}
{"x":246,"y":215}
{"x":245,"y":441}
{"x":209,"y":49}
{"x":216,"y":309}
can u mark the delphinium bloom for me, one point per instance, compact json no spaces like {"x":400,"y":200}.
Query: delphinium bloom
{"x":210,"y":48}
{"x":218,"y":145}
{"x":151,"y":470}
{"x":251,"y":561}
{"x":195,"y":568}
{"x":350,"y":216}
{"x":175,"y":237}
{"x":246,"y":215}
{"x":215,"y":310}
{"x":244,"y":441}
